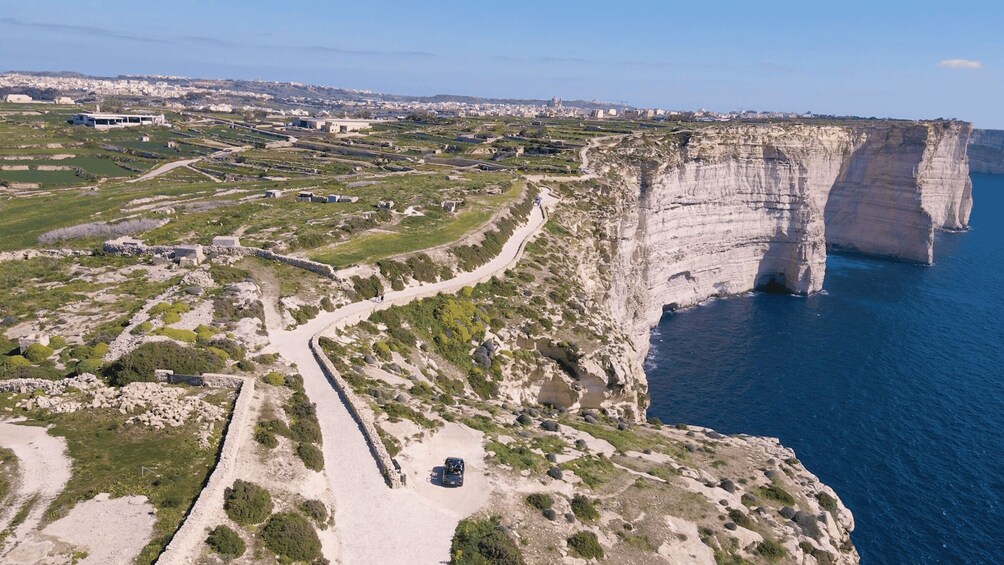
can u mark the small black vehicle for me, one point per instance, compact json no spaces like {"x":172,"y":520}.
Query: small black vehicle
{"x":453,"y":472}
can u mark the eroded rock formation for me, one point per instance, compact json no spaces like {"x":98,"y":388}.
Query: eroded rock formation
{"x":728,"y":209}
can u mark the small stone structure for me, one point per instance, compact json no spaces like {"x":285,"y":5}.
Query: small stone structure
{"x":23,"y":343}
{"x":385,"y":204}
{"x":305,"y":196}
{"x":226,"y":241}
{"x":274,"y":193}
{"x":341,"y":198}
{"x":189,"y":254}
{"x":452,"y":205}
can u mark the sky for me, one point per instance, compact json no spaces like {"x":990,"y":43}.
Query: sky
{"x":885,"y":59}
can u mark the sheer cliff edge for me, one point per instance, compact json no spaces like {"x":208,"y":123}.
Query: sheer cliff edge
{"x":726,"y":209}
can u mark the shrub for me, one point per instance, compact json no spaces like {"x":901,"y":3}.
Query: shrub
{"x":776,"y":493}
{"x":540,"y":501}
{"x":327,"y":305}
{"x":312,"y":457}
{"x":292,"y":536}
{"x":367,"y":288}
{"x":306,"y":430}
{"x":583,"y":509}
{"x":827,"y":502}
{"x":37,"y":353}
{"x":275,"y":379}
{"x":139,"y":364}
{"x":315,"y":510}
{"x":265,"y":437}
{"x":740,"y":518}
{"x":171,"y":317}
{"x":14,"y":361}
{"x":482,"y":542}
{"x":57,"y":342}
{"x":586,"y":545}
{"x":771,"y":550}
{"x":92,"y":366}
{"x":185,"y":336}
{"x":226,"y":542}
{"x":247,"y":503}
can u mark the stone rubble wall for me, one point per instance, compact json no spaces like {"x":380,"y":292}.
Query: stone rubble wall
{"x":187,"y":541}
{"x":352,"y":401}
{"x":241,"y":251}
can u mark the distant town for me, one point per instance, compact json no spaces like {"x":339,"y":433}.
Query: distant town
{"x":301,"y":100}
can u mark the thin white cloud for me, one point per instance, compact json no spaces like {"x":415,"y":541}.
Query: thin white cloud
{"x":960,"y":64}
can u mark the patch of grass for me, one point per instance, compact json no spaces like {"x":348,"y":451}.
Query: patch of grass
{"x":584,"y":509}
{"x":827,"y":502}
{"x":519,"y":457}
{"x":776,"y":493}
{"x":594,"y":471}
{"x":741,"y":519}
{"x":771,"y":550}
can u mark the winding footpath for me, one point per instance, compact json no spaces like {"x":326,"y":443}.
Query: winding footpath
{"x":376,"y":524}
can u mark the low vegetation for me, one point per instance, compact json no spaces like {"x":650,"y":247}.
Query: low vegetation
{"x":586,"y":545}
{"x":290,"y":535}
{"x":226,"y":542}
{"x":247,"y":503}
{"x":482,"y":542}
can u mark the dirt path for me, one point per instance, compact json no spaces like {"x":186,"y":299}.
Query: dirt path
{"x":43,"y":470}
{"x":376,"y":524}
{"x":168,"y":167}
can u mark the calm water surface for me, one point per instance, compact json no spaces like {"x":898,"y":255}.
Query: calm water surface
{"x":889,"y":386}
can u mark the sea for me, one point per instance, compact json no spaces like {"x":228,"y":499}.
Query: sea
{"x":889,"y":386}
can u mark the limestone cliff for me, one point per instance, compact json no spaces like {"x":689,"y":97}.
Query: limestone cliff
{"x":726,"y":209}
{"x":986,"y":151}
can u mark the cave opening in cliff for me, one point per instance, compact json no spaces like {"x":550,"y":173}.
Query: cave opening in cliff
{"x":772,"y":283}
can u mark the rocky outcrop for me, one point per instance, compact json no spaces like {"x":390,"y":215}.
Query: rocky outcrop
{"x":986,"y":151}
{"x":728,"y":209}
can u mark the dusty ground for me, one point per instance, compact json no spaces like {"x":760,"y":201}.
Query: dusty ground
{"x":104,"y":529}
{"x":44,"y":469}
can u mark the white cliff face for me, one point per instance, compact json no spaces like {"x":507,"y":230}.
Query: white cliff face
{"x":740,"y":207}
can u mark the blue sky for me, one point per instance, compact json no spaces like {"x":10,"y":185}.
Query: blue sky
{"x":886,"y":59}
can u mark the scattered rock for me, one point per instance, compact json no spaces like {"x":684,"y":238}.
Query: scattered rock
{"x":569,"y":517}
{"x":552,"y":457}
{"x":524,"y":419}
{"x":550,"y":514}
{"x":590,"y":419}
{"x":555,"y":473}
{"x":788,"y":512}
{"x":622,"y":426}
{"x":550,"y":425}
{"x":730,"y":525}
{"x":727,"y":485}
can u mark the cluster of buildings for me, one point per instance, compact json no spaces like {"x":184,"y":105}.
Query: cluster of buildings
{"x":156,"y":87}
{"x":25,"y":99}
{"x":98,"y":120}
{"x":331,"y":125}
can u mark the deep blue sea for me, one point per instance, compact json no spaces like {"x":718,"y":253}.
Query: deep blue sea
{"x":889,"y":385}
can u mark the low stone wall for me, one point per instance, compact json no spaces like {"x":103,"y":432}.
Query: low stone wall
{"x":383,"y":459}
{"x":213,"y":380}
{"x":26,"y":254}
{"x":313,"y":266}
{"x":186,"y":542}
{"x":25,"y":386}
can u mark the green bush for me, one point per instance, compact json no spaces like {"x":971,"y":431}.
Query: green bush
{"x":140,"y":363}
{"x":247,"y":503}
{"x":226,"y":542}
{"x":315,"y":510}
{"x":275,"y":379}
{"x":185,"y":336}
{"x":292,"y":536}
{"x":306,"y":429}
{"x":583,"y":509}
{"x":266,"y":438}
{"x":14,"y":361}
{"x":771,"y":550}
{"x":740,"y":518}
{"x":312,"y":457}
{"x":92,"y":366}
{"x":827,"y":502}
{"x":37,"y":353}
{"x":367,"y":288}
{"x":586,"y":545}
{"x":778,"y":494}
{"x":57,"y":342}
{"x":482,"y":542}
{"x":540,"y":501}
{"x":171,"y":317}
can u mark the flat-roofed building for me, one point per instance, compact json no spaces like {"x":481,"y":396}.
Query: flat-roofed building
{"x":109,"y":121}
{"x":17,"y":98}
{"x":226,"y":241}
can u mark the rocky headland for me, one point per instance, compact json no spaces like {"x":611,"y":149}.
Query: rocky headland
{"x":986,"y":151}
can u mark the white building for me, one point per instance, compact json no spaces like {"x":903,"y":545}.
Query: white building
{"x":63,"y":100}
{"x":109,"y":121}
{"x":332,"y":125}
{"x":17,"y":98}
{"x":273,"y":193}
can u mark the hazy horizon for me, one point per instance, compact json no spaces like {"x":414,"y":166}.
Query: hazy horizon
{"x":865,"y":60}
